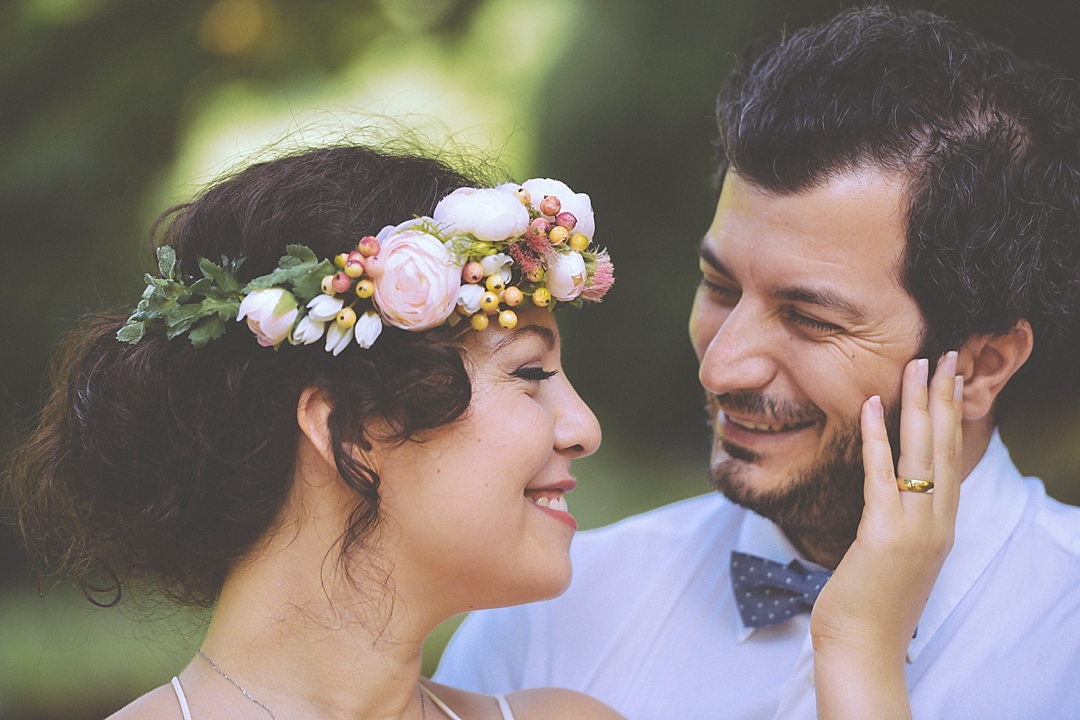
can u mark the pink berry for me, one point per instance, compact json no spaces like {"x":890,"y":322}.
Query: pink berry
{"x":473,"y":272}
{"x":368,"y":246}
{"x":373,"y":267}
{"x":550,"y":205}
{"x":540,"y":225}
{"x":566,"y":220}
{"x":356,"y":257}
{"x":341,"y":282}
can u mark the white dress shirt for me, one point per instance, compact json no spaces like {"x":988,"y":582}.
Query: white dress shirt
{"x":650,"y":625}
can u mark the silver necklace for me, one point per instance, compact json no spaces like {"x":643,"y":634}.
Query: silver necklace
{"x":238,"y":685}
{"x":423,"y":704}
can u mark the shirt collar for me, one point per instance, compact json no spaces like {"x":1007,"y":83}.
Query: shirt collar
{"x":992,"y":499}
{"x":764,"y":538}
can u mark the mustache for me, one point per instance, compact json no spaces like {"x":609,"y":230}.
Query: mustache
{"x":759,"y":404}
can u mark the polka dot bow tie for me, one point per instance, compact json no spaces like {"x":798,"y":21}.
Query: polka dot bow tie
{"x":768,"y":593}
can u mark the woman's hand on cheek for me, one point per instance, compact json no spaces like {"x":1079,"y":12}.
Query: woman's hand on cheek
{"x":866,"y":615}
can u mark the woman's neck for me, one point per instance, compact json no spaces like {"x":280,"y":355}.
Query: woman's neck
{"x":308,"y":641}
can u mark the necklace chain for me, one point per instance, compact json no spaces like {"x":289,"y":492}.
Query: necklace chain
{"x":423,"y":704}
{"x":238,"y":685}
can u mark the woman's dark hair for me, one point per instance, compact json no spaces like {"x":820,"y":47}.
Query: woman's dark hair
{"x":989,"y":145}
{"x":163,"y":464}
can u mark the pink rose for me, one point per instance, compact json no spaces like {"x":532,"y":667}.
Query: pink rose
{"x":417,"y":281}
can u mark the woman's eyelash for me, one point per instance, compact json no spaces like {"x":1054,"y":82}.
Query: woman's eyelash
{"x":532,"y":372}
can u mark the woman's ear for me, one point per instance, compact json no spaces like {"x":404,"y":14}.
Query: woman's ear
{"x":313,"y":414}
{"x":987,"y":362}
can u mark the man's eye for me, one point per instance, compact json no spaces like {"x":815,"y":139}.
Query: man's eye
{"x":533,"y":373}
{"x":812,"y":325}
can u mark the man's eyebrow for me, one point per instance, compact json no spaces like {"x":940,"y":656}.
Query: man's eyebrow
{"x":822,"y":298}
{"x":544,"y":333}
{"x":712,"y":261}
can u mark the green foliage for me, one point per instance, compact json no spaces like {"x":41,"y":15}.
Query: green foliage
{"x":200,"y":309}
{"x":299,"y":269}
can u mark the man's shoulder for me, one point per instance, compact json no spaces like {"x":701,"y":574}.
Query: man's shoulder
{"x":1055,"y":522}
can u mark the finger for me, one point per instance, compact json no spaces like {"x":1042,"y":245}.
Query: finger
{"x":916,"y":436}
{"x":947,"y":416}
{"x":879,"y":487}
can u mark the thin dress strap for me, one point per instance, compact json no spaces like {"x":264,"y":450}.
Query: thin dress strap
{"x":442,"y":706}
{"x":504,"y":706}
{"x":181,"y":697}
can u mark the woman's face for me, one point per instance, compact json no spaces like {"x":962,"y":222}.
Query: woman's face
{"x":475,"y":514}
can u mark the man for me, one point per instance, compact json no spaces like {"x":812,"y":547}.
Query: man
{"x":892,"y":187}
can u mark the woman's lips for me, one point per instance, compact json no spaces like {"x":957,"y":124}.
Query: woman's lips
{"x":552,"y":501}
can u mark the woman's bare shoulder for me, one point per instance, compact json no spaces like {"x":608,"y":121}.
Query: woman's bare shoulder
{"x":158,"y":704}
{"x":532,"y":704}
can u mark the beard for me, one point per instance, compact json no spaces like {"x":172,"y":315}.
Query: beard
{"x":824,"y":498}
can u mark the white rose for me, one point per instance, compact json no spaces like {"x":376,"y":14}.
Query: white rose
{"x":307,"y":331}
{"x":469,"y":297}
{"x":488,"y":214}
{"x":324,"y":307}
{"x":259,"y":306}
{"x":498,"y":263}
{"x":337,"y":338}
{"x":566,"y":276}
{"x":368,"y":328}
{"x":578,"y":204}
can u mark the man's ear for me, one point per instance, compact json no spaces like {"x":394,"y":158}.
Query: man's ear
{"x":987,"y":362}
{"x":313,"y":415}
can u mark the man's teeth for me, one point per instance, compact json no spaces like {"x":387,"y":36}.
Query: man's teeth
{"x":763,"y":426}
{"x":555,"y":503}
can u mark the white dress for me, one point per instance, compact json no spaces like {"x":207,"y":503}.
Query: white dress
{"x":504,"y":706}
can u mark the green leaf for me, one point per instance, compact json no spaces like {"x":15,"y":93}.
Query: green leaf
{"x":209,"y":328}
{"x":132,"y":332}
{"x":166,"y":258}
{"x":301,"y":253}
{"x":309,"y":284}
{"x":211,"y":271}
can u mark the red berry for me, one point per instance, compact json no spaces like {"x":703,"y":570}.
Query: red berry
{"x":341,"y":282}
{"x":368,"y":246}
{"x":550,"y":205}
{"x":566,"y":220}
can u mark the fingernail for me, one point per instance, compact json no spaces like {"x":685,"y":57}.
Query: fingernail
{"x":922,"y":370}
{"x":950,"y":363}
{"x":958,"y":388}
{"x":875,"y":406}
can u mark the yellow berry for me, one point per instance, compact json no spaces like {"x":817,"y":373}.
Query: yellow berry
{"x":541,"y":297}
{"x":354,"y":270}
{"x":479,"y":321}
{"x":508,"y":319}
{"x":328,"y":285}
{"x":495,"y":283}
{"x":579,"y":242}
{"x":489,"y":302}
{"x":346,"y":318}
{"x":535,"y":275}
{"x":512,"y":296}
{"x":340,"y":260}
{"x":365,"y":288}
{"x":558,"y":234}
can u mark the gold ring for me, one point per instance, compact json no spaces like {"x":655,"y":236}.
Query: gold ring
{"x":913,"y":485}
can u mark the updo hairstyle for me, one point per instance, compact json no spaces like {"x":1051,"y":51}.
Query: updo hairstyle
{"x":160,"y":464}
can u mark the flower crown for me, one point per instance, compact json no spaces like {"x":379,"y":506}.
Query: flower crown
{"x":484,"y":252}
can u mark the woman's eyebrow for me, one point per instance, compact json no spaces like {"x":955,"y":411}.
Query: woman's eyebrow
{"x":544,"y":333}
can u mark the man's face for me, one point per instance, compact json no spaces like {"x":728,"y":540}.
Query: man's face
{"x":800,"y":318}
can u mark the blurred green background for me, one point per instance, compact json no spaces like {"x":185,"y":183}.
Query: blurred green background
{"x":112,"y":109}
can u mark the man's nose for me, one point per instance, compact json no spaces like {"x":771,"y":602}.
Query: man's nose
{"x":741,"y":355}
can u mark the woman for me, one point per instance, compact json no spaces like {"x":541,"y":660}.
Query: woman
{"x":333,"y":504}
